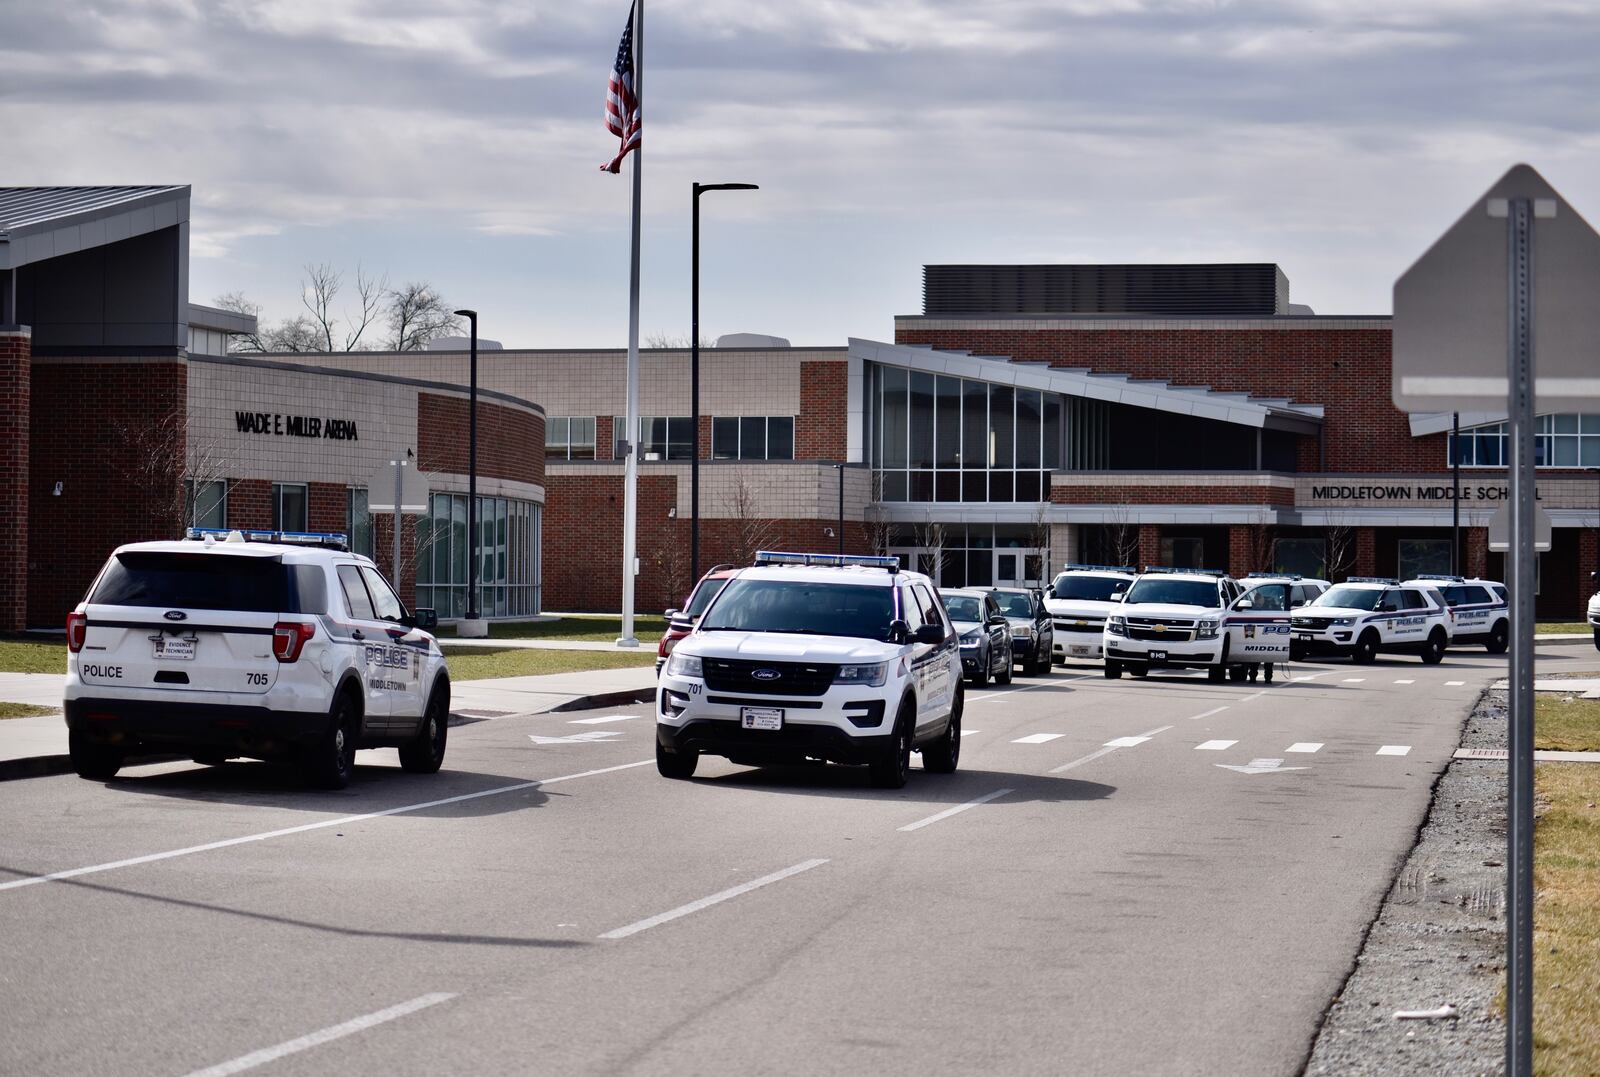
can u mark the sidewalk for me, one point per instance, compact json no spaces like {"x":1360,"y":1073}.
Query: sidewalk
{"x":38,"y":745}
{"x":545,"y":645}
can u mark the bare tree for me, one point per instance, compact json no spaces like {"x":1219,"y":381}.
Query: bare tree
{"x":933,"y":538}
{"x":752,"y":531}
{"x":1039,"y":542}
{"x":672,"y":565}
{"x":321,"y":286}
{"x":875,"y":526}
{"x":238,"y":304}
{"x":1122,"y":534}
{"x":678,"y":341}
{"x":417,"y":313}
{"x":1340,"y":538}
{"x":1263,"y":546}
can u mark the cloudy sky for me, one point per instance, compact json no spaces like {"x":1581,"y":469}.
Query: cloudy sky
{"x":458,"y":141}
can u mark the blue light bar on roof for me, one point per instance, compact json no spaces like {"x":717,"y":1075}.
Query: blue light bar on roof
{"x":832,"y":560}
{"x":1185,"y":571}
{"x":337,"y":540}
{"x":1273,"y":576}
{"x":1390,"y":580}
{"x":1129,"y":569}
{"x":1442,"y":576}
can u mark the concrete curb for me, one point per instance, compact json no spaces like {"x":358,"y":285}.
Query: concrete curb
{"x":605,"y":699}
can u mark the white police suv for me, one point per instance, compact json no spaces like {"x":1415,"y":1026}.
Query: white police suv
{"x":1171,"y":619}
{"x":816,"y":656}
{"x":271,"y":645}
{"x":1368,"y":614}
{"x":1594,"y":614}
{"x":1479,"y":611}
{"x":1079,"y":601}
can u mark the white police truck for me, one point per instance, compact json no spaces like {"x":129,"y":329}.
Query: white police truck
{"x":1079,"y":600}
{"x":1169,"y":619}
{"x":830,"y":657}
{"x":264,"y":644}
{"x":1478,"y":609}
{"x":1366,"y":615}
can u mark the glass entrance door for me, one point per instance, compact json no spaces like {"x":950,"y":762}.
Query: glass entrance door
{"x":1008,"y":568}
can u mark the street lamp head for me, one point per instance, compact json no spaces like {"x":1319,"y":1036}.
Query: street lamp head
{"x":725,"y":187}
{"x":467,"y":314}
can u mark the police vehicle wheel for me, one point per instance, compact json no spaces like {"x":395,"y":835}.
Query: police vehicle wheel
{"x":1216,"y":674}
{"x":425,"y":753}
{"x":1433,"y":650}
{"x":678,"y":765}
{"x":1500,"y":638}
{"x":97,"y":762}
{"x":332,"y":760}
{"x":1366,"y":650}
{"x":1003,"y":675}
{"x":1597,"y":639}
{"x":1237,"y":673}
{"x":1139,"y":671}
{"x":1297,"y":653}
{"x":942,"y":756}
{"x":1114,"y":669}
{"x":894,"y":768}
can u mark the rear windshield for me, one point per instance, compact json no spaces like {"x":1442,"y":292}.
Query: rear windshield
{"x":1014,"y":605}
{"x":963,"y":607}
{"x":1087,"y":588}
{"x":822,"y":609}
{"x":703,"y":595}
{"x":1174,"y":592}
{"x":209,"y":582}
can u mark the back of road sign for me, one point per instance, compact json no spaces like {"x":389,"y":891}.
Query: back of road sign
{"x":1500,"y":530}
{"x":413,"y":489}
{"x":1451,"y":308}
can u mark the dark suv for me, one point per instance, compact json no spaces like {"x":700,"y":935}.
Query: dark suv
{"x":1033,"y":630}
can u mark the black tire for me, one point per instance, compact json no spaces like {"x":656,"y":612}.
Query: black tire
{"x":1433,"y":650}
{"x":1500,"y":638}
{"x":1140,"y":671}
{"x":331,"y":762}
{"x":424,"y":754}
{"x":1237,"y":674}
{"x":211,"y":759}
{"x":1217,"y":674}
{"x":892,"y":771}
{"x":1004,"y":676}
{"x":96,"y":762}
{"x":1113,"y":670}
{"x":981,"y":678}
{"x":1597,"y":639}
{"x":943,"y":754}
{"x":676,"y":765}
{"x":1040,"y":669}
{"x":1297,"y":653}
{"x":1365,"y":651}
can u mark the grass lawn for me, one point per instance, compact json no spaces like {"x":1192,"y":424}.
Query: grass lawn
{"x":23,"y":710}
{"x":1564,"y":628}
{"x":1566,"y":919}
{"x":33,"y":655}
{"x":1566,"y":725}
{"x":597,"y":627}
{"x":476,"y":663}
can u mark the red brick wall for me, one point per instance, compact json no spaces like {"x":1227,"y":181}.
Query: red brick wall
{"x":510,"y":440}
{"x":819,"y":429}
{"x":1149,"y":545}
{"x":250,"y":504}
{"x":113,"y":434}
{"x":327,"y":506}
{"x":16,"y":350}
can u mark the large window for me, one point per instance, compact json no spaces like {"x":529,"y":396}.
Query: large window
{"x":935,"y":437}
{"x":358,"y":521}
{"x":752,"y":437}
{"x":660,"y":437}
{"x":289,"y":506}
{"x":208,"y":503}
{"x":1558,"y":441}
{"x":569,"y":437}
{"x":508,"y":565}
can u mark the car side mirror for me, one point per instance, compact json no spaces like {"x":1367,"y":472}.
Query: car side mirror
{"x":899,"y":631}
{"x":1244,"y":604}
{"x":670,"y":614}
{"x":1118,"y":596}
{"x":425,"y":619}
{"x":933,"y":634}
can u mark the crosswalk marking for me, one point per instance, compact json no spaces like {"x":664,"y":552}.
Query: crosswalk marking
{"x":1038,"y":738}
{"x":603,"y":720}
{"x":1454,"y":684}
{"x":1304,"y":746}
{"x":1126,"y":742}
{"x":1405,"y":681}
{"x":1215,"y":745}
{"x":1354,"y":680}
{"x":1394,"y":749}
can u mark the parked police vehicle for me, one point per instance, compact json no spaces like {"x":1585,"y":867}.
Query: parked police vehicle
{"x":815,"y":656}
{"x":1032,"y":632}
{"x":1303,"y":590}
{"x":1079,"y":600}
{"x":1169,"y":619}
{"x":1479,"y":611}
{"x":266,"y":644}
{"x":1368,"y":614}
{"x":985,"y":635}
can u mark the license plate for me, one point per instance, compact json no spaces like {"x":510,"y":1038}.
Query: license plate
{"x":1158,"y":656}
{"x":761,"y":718}
{"x":168,"y":647}
{"x":1305,"y":637}
{"x":1078,"y":649}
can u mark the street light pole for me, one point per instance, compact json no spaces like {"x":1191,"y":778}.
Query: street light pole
{"x":694,"y":365}
{"x":840,"y":466}
{"x":1455,"y":500}
{"x":472,"y":471}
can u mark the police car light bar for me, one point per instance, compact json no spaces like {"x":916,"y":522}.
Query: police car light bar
{"x":1153,"y":569}
{"x":336,"y":540}
{"x":1273,"y":576}
{"x":1129,"y":569}
{"x":1444,"y":576}
{"x":1390,"y":580}
{"x":831,"y":560}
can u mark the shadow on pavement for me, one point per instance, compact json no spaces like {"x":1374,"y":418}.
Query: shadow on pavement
{"x":935,"y":790}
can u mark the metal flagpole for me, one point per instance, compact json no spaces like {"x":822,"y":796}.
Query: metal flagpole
{"x":630,"y":482}
{"x":1455,"y":497}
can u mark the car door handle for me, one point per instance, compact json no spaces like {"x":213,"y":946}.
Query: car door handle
{"x":357,"y":634}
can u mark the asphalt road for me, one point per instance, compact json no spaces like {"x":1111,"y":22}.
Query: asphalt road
{"x":1120,"y":901}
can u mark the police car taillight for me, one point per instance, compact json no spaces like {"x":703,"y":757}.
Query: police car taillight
{"x":77,"y":629}
{"x":288,"y":637}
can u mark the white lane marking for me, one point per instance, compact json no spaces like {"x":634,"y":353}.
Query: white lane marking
{"x":1207,"y":714}
{"x":1454,"y":684}
{"x":1394,"y":749}
{"x":1354,"y":680}
{"x":588,"y":736}
{"x":603,"y":720}
{"x":714,"y":899}
{"x":1215,"y":746}
{"x":150,"y":858}
{"x":1038,"y":738}
{"x":357,"y":1024}
{"x":1305,"y":746}
{"x":1261,"y":766}
{"x":958,"y":809}
{"x":1126,"y":742}
{"x":1110,"y":747}
{"x":969,"y":732}
{"x":987,"y":696}
{"x":1258,"y":695}
{"x":1406,"y":680}
{"x":1091,"y":757}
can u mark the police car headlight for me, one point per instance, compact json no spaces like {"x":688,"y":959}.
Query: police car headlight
{"x":1117,"y":626}
{"x":684,"y":665}
{"x":1343,"y":622}
{"x":1206,"y":629}
{"x":865,"y":676}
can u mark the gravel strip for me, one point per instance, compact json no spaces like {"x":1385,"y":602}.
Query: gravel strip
{"x":1439,"y":938}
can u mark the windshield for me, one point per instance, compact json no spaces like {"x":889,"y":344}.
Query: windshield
{"x":823,"y":609}
{"x":703,"y":595}
{"x":1175,"y":592}
{"x":1351,"y":598}
{"x":1014,"y":605}
{"x":1090,"y":588}
{"x":963,"y":608}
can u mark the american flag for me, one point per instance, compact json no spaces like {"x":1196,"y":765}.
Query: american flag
{"x":622,"y":107}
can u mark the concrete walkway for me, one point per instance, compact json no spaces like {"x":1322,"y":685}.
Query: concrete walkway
{"x":548,"y":645}
{"x":1586,"y":687}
